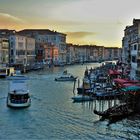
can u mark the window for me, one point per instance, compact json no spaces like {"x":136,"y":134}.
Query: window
{"x":134,"y":59}
{"x":135,"y":47}
{"x":12,"y":44}
{"x":12,"y":52}
{"x":139,"y":46}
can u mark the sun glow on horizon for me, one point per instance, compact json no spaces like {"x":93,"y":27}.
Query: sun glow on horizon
{"x":84,"y":21}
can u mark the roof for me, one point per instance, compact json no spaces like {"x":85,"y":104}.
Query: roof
{"x":39,"y":31}
{"x":18,"y":85}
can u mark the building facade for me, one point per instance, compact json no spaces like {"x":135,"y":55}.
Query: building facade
{"x":30,"y":52}
{"x":131,"y":48}
{"x":91,"y":53}
{"x":22,"y":50}
{"x":112,"y":53}
{"x":52,"y":38}
{"x":4,"y":51}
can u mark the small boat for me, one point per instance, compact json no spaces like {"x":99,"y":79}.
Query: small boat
{"x":38,"y":67}
{"x":66,"y":77}
{"x":18,"y":95}
{"x":6,"y":71}
{"x":85,"y":88}
{"x":103,"y":95}
{"x":81,"y":98}
{"x":116,"y":112}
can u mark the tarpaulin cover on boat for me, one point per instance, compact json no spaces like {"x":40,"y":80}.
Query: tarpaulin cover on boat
{"x":131,"y":88}
{"x":114,"y":72}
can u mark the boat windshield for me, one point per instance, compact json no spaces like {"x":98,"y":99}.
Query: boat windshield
{"x":16,"y":98}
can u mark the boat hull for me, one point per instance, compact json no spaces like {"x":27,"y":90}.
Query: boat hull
{"x":116,"y":112}
{"x":65,"y":79}
{"x":84,"y":91}
{"x":18,"y":105}
{"x":82,"y":98}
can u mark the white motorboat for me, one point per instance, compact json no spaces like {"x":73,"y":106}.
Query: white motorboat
{"x":66,"y":77}
{"x":18,"y":95}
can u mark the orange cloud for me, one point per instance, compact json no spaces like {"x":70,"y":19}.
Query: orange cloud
{"x":80,"y":34}
{"x":81,"y":37}
{"x":10,"y":21}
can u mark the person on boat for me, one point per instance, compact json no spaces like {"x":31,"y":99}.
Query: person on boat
{"x":65,"y":72}
{"x":14,"y":91}
{"x":12,"y":74}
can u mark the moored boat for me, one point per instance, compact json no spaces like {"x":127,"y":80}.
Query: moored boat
{"x":81,"y":98}
{"x":6,"y":71}
{"x":107,"y":95}
{"x":116,"y":112}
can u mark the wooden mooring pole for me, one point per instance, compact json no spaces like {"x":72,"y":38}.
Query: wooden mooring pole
{"x":74,"y":87}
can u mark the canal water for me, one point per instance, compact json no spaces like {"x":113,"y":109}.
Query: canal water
{"x":53,"y":115}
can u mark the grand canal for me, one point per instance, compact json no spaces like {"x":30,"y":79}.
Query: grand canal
{"x":53,"y":115}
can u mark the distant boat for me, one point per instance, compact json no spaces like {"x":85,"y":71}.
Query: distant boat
{"x":18,"y":95}
{"x":66,"y":77}
{"x":38,"y":67}
{"x":6,"y":71}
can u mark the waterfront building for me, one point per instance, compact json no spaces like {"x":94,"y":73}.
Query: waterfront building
{"x":99,"y":53}
{"x":45,"y":36}
{"x":70,"y":58}
{"x":22,"y":50}
{"x":5,"y":33}
{"x":131,"y":48}
{"x":80,"y":53}
{"x":4,"y":52}
{"x":84,"y":53}
{"x":112,"y":53}
{"x":51,"y":54}
{"x":30,"y":52}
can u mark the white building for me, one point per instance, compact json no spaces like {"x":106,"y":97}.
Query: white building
{"x":4,"y":51}
{"x":22,"y":50}
{"x":70,"y":54}
{"x":30,"y":51}
{"x":131,"y":48}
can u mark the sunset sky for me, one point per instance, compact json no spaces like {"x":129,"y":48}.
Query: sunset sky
{"x":99,"y":22}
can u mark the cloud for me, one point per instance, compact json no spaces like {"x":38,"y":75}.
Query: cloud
{"x":81,"y":37}
{"x":80,"y":34}
{"x":10,"y":21}
{"x":10,"y":17}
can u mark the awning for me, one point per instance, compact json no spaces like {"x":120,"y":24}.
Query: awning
{"x":114,"y":72}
